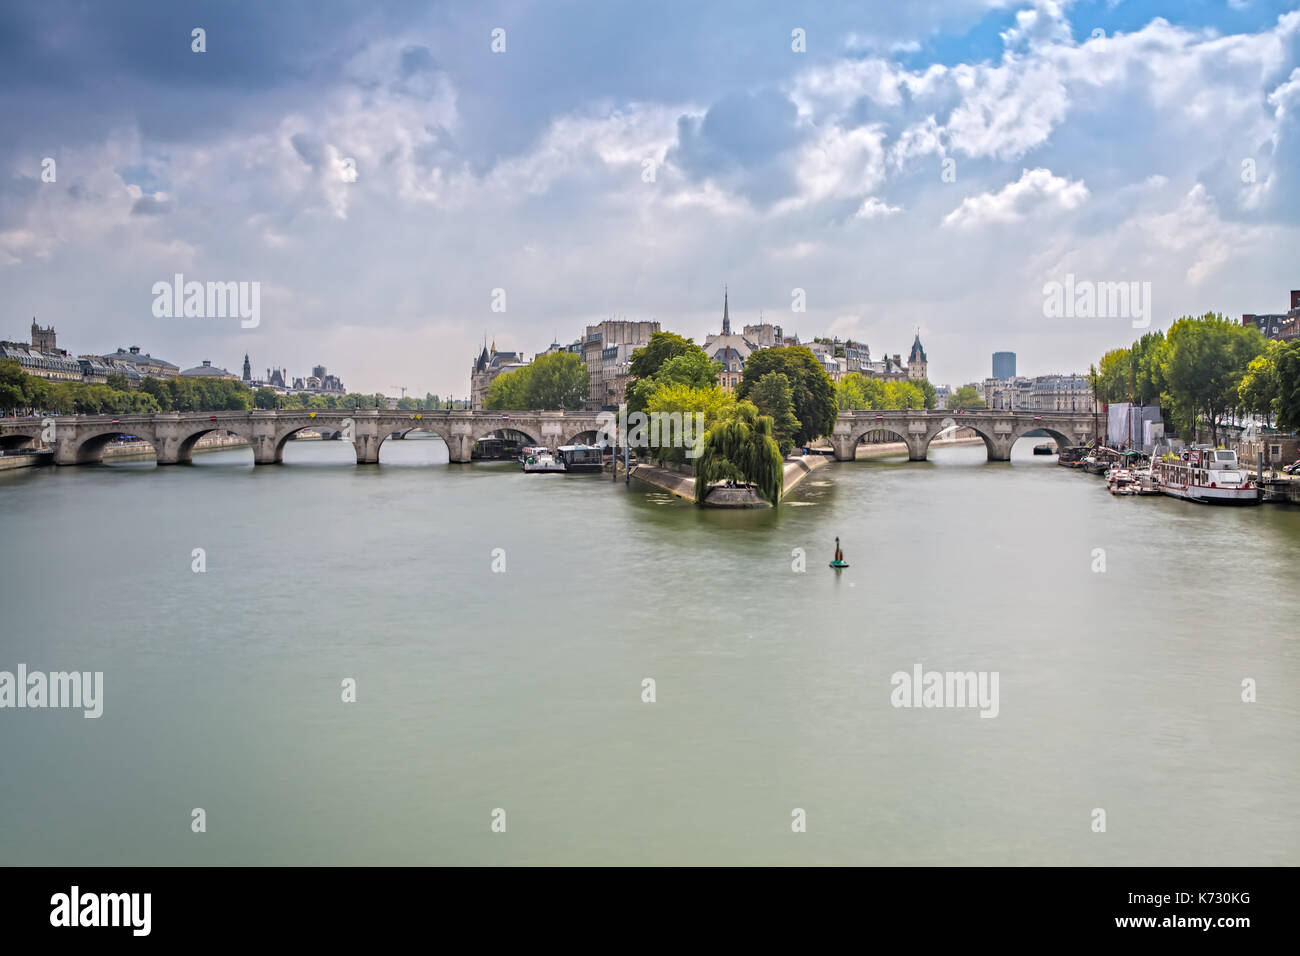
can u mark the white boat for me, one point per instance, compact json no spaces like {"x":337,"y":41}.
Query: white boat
{"x":542,"y":462}
{"x":1204,"y":474}
{"x":1120,"y":481}
{"x":1144,"y":483}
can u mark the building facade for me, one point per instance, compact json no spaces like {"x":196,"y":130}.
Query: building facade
{"x":147,"y":365}
{"x":1280,"y":326}
{"x":42,"y":356}
{"x":607,"y":349}
{"x":488,"y":365}
{"x":1004,"y":365}
{"x":1062,"y":393}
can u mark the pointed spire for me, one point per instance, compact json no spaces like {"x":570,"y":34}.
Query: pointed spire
{"x":726,"y":315}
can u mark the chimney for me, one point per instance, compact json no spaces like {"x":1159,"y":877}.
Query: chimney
{"x":1295,"y":298}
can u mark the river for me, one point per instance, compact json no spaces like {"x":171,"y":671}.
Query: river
{"x":521,"y":689}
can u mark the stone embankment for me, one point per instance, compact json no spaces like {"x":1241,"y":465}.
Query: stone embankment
{"x":683,"y":485}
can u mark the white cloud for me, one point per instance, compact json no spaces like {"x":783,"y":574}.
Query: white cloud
{"x":873,"y":208}
{"x":1037,"y":190}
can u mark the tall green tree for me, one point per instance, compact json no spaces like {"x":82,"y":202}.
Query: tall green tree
{"x":741,"y":447}
{"x":508,"y":390}
{"x":813,"y":392}
{"x":674,"y":401}
{"x":1287,"y":403}
{"x":773,"y":396}
{"x":554,"y":382}
{"x":686,"y":363}
{"x":1205,"y":360}
{"x":1258,"y":390}
{"x":557,"y":382}
{"x":1115,"y":376}
{"x":647,"y":360}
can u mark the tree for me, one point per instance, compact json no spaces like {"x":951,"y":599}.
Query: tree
{"x":858,"y":392}
{"x":160,"y":392}
{"x":670,"y":399}
{"x":264,"y":398}
{"x":554,"y":382}
{"x":647,"y":360}
{"x":1115,"y":376}
{"x":903,"y":395}
{"x":117,"y":381}
{"x":928,"y":392}
{"x":773,"y":396}
{"x":740,"y":447}
{"x":1287,"y":402}
{"x":1259,"y":386}
{"x":966,"y":397}
{"x":1205,"y":360}
{"x":13,"y":386}
{"x":684,"y":361}
{"x":813,"y":391}
{"x":557,"y":382}
{"x":509,"y":390}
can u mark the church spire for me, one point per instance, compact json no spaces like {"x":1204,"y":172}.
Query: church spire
{"x":726,"y":315}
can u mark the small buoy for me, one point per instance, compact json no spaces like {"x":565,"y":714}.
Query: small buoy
{"x":839,"y":561}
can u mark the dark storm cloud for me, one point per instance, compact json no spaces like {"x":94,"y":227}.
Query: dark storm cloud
{"x":742,"y":140}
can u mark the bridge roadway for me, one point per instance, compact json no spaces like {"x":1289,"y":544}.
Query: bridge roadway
{"x":81,"y":439}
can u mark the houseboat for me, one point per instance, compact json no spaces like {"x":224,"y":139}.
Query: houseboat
{"x":580,"y":458}
{"x":1204,"y":474}
{"x":1071,"y":456}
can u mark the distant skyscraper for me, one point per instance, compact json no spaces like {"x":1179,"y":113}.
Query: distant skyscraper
{"x":1004,"y":365}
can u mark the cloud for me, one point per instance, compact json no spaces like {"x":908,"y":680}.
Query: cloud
{"x":528,"y":171}
{"x":1036,"y":191}
{"x":873,"y":208}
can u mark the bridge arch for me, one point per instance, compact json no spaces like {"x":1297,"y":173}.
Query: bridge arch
{"x":864,"y":428}
{"x":180,"y":451}
{"x":89,"y":446}
{"x":287,"y":432}
{"x":1062,"y":439}
{"x":998,"y":449}
{"x":438,"y":431}
{"x":584,"y":436}
{"x":12,"y":441}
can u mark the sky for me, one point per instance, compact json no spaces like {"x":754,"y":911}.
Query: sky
{"x":381,"y":171}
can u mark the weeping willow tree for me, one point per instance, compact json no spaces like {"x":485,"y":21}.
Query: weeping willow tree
{"x":740,"y":447}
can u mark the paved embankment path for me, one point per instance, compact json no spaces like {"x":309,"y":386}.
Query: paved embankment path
{"x":683,"y":486}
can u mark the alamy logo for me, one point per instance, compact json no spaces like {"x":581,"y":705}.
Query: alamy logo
{"x":208,"y":300}
{"x":102,"y":909}
{"x":946,"y":689}
{"x":73,"y":689}
{"x":653,"y":430}
{"x":1085,"y":299}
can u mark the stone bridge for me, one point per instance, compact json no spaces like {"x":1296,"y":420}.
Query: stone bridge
{"x":999,"y":429}
{"x":81,"y":439}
